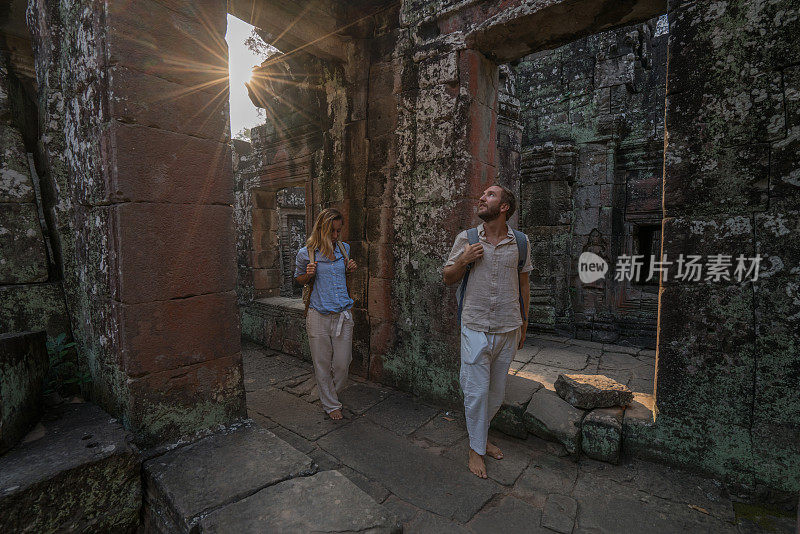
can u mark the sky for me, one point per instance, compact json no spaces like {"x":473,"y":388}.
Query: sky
{"x":240,"y":60}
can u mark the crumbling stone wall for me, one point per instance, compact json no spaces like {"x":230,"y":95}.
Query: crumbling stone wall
{"x":728,"y":358}
{"x":592,"y":144}
{"x":31,"y":297}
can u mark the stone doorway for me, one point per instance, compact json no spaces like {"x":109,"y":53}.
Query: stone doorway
{"x":591,"y":178}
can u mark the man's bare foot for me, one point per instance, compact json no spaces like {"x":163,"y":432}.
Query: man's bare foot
{"x":494,"y":451}
{"x":476,"y":464}
{"x":336,"y":415}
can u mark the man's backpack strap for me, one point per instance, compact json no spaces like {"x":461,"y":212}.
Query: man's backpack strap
{"x":472,"y":238}
{"x":522,"y":249}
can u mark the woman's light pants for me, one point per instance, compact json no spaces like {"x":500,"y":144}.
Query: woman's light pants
{"x":485,"y":359}
{"x":331,"y":340}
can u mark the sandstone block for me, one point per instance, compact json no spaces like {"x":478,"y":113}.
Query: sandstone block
{"x":75,"y":473}
{"x":22,"y":253}
{"x":592,"y":391}
{"x":601,"y":434}
{"x":552,"y":418}
{"x":306,"y":504}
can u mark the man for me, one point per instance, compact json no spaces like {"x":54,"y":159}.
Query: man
{"x":493,"y":324}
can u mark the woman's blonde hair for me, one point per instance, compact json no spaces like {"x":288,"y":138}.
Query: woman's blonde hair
{"x":320,"y":237}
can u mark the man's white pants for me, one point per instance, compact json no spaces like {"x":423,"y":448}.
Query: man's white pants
{"x":485,"y":359}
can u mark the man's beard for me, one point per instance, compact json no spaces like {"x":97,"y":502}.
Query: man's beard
{"x":490,"y":214}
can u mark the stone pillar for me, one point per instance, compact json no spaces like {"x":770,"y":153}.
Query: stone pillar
{"x":728,"y":358}
{"x":134,"y":108}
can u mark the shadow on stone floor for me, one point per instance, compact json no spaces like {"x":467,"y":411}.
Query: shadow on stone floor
{"x":411,"y":457}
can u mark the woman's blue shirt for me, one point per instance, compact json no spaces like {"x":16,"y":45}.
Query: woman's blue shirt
{"x":330,"y":286}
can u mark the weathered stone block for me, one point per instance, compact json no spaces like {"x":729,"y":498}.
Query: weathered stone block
{"x":15,"y":178}
{"x":22,"y":252}
{"x":170,"y":251}
{"x":439,"y":70}
{"x":519,"y":391}
{"x":592,"y":391}
{"x":266,"y":278}
{"x":601,"y":434}
{"x":637,"y":424}
{"x":307,"y":504}
{"x":169,"y":334}
{"x":178,"y":402}
{"x":156,"y":165}
{"x":225,"y":467}
{"x":79,"y":475}
{"x":510,"y":422}
{"x":382,"y":116}
{"x":23,"y":366}
{"x":550,"y":417}
{"x":380,"y":298}
{"x":615,"y":71}
{"x":141,"y":34}
{"x":33,"y":307}
{"x":152,"y":101}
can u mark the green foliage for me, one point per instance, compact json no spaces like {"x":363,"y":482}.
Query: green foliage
{"x":64,"y":375}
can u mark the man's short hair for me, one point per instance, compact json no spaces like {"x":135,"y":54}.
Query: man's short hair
{"x":509,"y":198}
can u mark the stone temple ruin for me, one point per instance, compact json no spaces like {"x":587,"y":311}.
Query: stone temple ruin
{"x":133,"y":226}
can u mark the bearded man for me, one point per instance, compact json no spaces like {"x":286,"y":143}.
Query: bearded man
{"x":493,"y":262}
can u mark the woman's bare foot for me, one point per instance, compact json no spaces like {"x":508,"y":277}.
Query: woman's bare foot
{"x":476,"y":464}
{"x":494,"y":451}
{"x":336,"y":415}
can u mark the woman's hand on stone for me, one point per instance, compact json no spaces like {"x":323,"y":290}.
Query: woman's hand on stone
{"x":351,"y":266}
{"x":311,"y":269}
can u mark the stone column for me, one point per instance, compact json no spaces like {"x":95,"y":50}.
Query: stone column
{"x":728,"y":358}
{"x":134,"y":108}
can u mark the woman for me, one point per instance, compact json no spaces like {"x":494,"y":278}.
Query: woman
{"x":329,"y":322}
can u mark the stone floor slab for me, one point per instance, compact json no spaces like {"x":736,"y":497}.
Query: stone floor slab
{"x":545,"y":475}
{"x":559,"y":513}
{"x":605,"y":505}
{"x":424,"y":479}
{"x":374,"y":489}
{"x":510,"y":515}
{"x":544,"y":374}
{"x":325,"y":502}
{"x":572,"y":358}
{"x":444,"y":429}
{"x":262,"y":370}
{"x":516,"y":457}
{"x":428,"y":523}
{"x":401,"y":413}
{"x":185,"y":483}
{"x":307,"y":420}
{"x":358,"y":398}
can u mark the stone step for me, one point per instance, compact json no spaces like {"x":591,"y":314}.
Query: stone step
{"x":603,"y":433}
{"x":75,"y":472}
{"x":246,"y":479}
{"x":551,"y":417}
{"x":510,"y":418}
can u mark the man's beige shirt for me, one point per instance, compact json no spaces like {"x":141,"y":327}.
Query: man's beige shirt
{"x":491,"y":300}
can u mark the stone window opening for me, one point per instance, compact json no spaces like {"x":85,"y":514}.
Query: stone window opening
{"x":647,"y":243}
